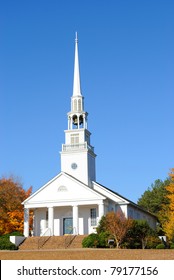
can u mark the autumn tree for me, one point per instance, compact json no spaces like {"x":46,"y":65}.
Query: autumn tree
{"x":169,"y":223}
{"x":11,"y":211}
{"x":118,"y":225}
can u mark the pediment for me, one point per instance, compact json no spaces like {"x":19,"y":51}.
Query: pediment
{"x":63,"y":188}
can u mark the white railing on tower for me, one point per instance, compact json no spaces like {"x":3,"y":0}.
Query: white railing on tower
{"x":83,"y":146}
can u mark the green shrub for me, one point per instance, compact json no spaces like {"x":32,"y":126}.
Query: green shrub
{"x":95,"y":240}
{"x":103,"y":240}
{"x":172,"y":246}
{"x":5,"y":243}
{"x":160,"y":246}
{"x":91,"y":241}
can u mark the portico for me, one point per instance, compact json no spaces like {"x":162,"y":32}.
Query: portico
{"x":68,"y":218}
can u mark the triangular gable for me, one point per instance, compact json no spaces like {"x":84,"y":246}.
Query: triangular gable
{"x":62,"y":188}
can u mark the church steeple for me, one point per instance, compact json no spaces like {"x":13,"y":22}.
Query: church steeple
{"x":77,"y":118}
{"x":77,"y":155}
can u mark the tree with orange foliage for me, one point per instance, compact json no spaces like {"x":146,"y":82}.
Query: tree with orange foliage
{"x":169,"y":224}
{"x":118,"y":225}
{"x":11,"y":211}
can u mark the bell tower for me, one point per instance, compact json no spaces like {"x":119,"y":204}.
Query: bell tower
{"x":77,"y":155}
{"x":77,"y":117}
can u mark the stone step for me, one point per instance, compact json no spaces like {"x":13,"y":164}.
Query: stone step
{"x":30,"y":243}
{"x":52,"y":242}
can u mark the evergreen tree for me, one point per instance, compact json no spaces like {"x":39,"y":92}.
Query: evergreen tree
{"x":169,"y":210}
{"x":154,"y":197}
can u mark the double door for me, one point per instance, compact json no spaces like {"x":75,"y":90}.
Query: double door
{"x":68,"y":225}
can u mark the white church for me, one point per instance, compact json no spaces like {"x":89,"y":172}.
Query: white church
{"x":73,"y":202}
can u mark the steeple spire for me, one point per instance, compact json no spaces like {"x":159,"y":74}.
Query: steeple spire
{"x":76,"y":85}
{"x":77,"y":155}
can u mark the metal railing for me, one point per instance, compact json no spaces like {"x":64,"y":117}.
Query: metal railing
{"x":70,"y":237}
{"x":41,"y":240}
{"x":47,"y":232}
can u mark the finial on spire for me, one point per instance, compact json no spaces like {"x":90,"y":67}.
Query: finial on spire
{"x":76,"y":39}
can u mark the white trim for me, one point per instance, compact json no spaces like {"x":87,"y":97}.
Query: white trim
{"x":64,"y":203}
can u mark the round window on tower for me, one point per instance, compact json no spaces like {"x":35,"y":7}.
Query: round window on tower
{"x":74,"y":165}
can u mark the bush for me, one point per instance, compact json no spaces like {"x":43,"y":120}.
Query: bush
{"x":91,"y":241}
{"x":172,"y":246}
{"x":160,"y":246}
{"x":5,"y":243}
{"x":95,"y":240}
{"x":103,"y":240}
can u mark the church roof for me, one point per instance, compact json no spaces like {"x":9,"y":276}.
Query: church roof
{"x":127,"y":201}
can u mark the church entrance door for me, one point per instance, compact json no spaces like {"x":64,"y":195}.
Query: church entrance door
{"x":67,"y":225}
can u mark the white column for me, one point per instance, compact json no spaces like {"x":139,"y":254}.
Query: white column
{"x":26,"y":222}
{"x":75,"y":220}
{"x":100,"y":211}
{"x":69,"y":123}
{"x":51,"y":220}
{"x":78,"y":121}
{"x":85,"y":122}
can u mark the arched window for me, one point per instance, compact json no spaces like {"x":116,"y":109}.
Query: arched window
{"x":62,"y":189}
{"x":75,"y":120}
{"x":81,"y":121}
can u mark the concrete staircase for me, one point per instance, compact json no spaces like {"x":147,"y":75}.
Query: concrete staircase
{"x":52,"y":242}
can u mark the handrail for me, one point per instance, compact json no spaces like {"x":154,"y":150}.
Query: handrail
{"x":47,"y":230}
{"x":69,"y":238}
{"x":41,"y":241}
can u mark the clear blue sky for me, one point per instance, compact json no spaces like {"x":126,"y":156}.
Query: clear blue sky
{"x":126,"y":51}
